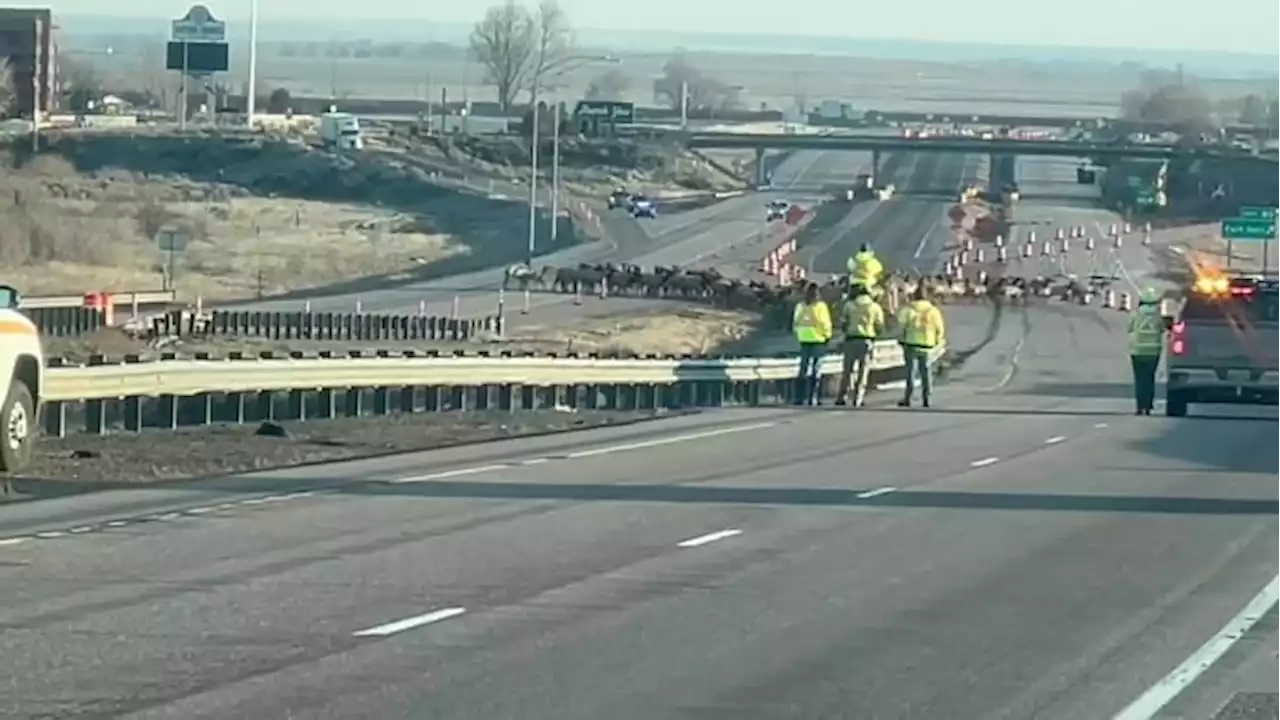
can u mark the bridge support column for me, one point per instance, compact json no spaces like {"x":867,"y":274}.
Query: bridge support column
{"x":875,"y":168}
{"x":994,"y":180}
{"x":762,"y":172}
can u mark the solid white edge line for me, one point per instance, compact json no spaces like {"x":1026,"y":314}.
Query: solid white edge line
{"x":875,"y":493}
{"x":410,"y":623}
{"x":709,"y":538}
{"x":451,"y":473}
{"x":669,"y":440}
{"x":1170,"y":686}
{"x":1055,"y":439}
{"x":984,"y":462}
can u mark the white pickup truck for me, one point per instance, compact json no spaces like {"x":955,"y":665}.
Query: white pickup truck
{"x":22,"y":359}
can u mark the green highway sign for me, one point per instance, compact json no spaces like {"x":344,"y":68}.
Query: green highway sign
{"x":1248,"y":229}
{"x":1258,"y":213}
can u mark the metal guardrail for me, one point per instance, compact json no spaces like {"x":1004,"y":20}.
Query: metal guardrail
{"x":141,"y":297}
{"x":170,"y":393}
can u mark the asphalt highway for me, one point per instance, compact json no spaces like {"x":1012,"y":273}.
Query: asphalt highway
{"x":909,"y":230}
{"x":1028,"y":548}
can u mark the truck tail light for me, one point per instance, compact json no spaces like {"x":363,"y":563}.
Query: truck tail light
{"x":1178,"y":338}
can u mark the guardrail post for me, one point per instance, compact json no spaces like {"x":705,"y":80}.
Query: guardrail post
{"x":485,"y":397}
{"x":686,"y":394}
{"x":381,"y":401}
{"x":355,"y":402}
{"x":754,"y":391}
{"x":95,"y":411}
{"x":132,"y":414}
{"x":169,"y":411}
{"x":236,"y":407}
{"x":266,"y":406}
{"x":457,"y":398}
{"x":55,"y":419}
{"x":408,"y":399}
{"x":530,"y":397}
{"x":509,"y":397}
{"x":202,"y":405}
{"x":327,"y":404}
{"x":297,"y":405}
{"x":432,"y":398}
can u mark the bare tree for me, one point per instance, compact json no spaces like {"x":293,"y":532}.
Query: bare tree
{"x":504,"y":42}
{"x":553,"y":46}
{"x":1253,"y":110}
{"x":612,"y":84}
{"x":7,"y":95}
{"x":1180,"y":104}
{"x":704,"y":92}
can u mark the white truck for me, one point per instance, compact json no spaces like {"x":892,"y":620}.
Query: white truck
{"x":341,"y":130}
{"x":22,"y":360}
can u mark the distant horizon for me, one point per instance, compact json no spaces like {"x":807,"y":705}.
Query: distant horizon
{"x":1204,"y":62}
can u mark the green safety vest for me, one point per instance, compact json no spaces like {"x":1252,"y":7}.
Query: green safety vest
{"x":863,"y":318}
{"x":1146,"y":331}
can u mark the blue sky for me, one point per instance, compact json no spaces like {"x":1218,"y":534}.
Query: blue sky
{"x":1236,"y":26}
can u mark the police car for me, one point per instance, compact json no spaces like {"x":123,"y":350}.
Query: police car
{"x":1222,"y":343}
{"x":642,"y":206}
{"x":776,"y":210}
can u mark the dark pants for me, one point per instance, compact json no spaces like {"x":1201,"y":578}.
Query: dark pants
{"x":1144,"y":380}
{"x":809,"y":382}
{"x":917,"y":369}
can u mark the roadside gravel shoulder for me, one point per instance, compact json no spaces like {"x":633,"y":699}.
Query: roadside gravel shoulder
{"x":86,"y":462}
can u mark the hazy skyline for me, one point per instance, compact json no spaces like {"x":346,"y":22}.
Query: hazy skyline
{"x":1233,"y":26}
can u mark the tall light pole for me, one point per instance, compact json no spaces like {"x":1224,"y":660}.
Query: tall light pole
{"x":252,"y":101}
{"x":555,"y":150}
{"x":564,"y":66}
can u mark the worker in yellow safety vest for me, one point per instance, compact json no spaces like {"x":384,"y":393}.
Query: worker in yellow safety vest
{"x":1146,"y":333}
{"x":865,"y":268}
{"x":922,"y":330}
{"x":861,"y":322}
{"x":812,"y":325}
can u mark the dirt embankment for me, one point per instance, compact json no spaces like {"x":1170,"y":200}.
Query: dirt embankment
{"x":252,"y":217}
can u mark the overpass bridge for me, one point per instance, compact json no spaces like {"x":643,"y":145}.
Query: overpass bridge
{"x":1048,"y":121}
{"x":997,"y":148}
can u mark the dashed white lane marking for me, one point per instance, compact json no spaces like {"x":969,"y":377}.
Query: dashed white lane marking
{"x":984,"y":462}
{"x":709,"y":538}
{"x":1099,"y":426}
{"x":535,"y":461}
{"x":668,"y":440}
{"x":1055,"y":439}
{"x":13,"y":541}
{"x":1171,"y":685}
{"x":924,"y":242}
{"x":410,"y":623}
{"x":451,"y":473}
{"x":875,"y":493}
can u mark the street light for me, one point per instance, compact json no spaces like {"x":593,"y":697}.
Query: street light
{"x":252,"y":101}
{"x":570,"y":63}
